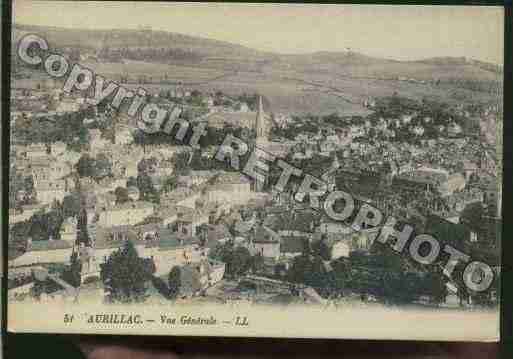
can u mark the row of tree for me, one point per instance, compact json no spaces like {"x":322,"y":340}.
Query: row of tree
{"x":68,"y":128}
{"x":238,"y":259}
{"x":382,"y":274}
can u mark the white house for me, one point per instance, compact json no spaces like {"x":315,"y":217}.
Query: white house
{"x":48,"y":191}
{"x":67,"y":105}
{"x":51,"y":251}
{"x":128,"y":213}
{"x":68,"y":229}
{"x":57,"y":148}
{"x":232,"y":188}
{"x":418,"y":130}
{"x":36,"y":150}
{"x":123,"y":135}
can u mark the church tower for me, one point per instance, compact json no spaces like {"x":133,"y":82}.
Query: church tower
{"x":260,"y":123}
{"x":261,"y":133}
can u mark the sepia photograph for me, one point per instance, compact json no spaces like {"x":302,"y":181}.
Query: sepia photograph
{"x":255,"y":170}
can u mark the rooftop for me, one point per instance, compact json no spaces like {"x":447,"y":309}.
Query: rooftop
{"x":49,"y":245}
{"x":129,"y":205}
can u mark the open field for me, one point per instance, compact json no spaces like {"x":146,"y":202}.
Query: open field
{"x":319,"y":83}
{"x":289,"y":91}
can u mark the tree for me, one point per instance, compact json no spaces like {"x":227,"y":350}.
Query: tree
{"x":218,"y":251}
{"x":30,"y":194}
{"x":181,"y":163}
{"x":202,"y":232}
{"x":174,"y":282}
{"x":195,"y":93}
{"x":46,"y":286}
{"x":147,"y":165}
{"x":472,"y":216}
{"x":131,"y":182}
{"x":170,"y":184}
{"x":300,"y":266}
{"x":238,"y":259}
{"x":399,"y":283}
{"x":98,"y":168}
{"x":341,"y":274}
{"x":71,"y":205}
{"x":239,"y":262}
{"x":102,"y":166}
{"x":257,"y":263}
{"x":121,"y":195}
{"x":147,"y":189}
{"x":280,"y":270}
{"x":456,"y":234}
{"x":125,"y":274}
{"x":82,"y":232}
{"x":322,"y":249}
{"x":463,"y":292}
{"x":73,"y":274}
{"x":43,"y":225}
{"x":85,"y":166}
{"x":435,"y":285}
{"x":310,"y":270}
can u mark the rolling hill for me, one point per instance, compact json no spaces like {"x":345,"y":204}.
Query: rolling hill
{"x":316,"y":82}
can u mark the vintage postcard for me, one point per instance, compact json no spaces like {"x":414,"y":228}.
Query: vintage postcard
{"x":262,"y":170}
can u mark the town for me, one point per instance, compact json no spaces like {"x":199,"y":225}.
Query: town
{"x":100,"y":210}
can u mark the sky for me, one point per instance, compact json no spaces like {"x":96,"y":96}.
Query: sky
{"x":396,"y":32}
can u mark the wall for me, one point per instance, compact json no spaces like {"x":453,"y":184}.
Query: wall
{"x":50,"y":256}
{"x":129,"y":216}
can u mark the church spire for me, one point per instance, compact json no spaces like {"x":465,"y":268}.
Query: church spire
{"x":260,"y":125}
{"x":261,"y":132}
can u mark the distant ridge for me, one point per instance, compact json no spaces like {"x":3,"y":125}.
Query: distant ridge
{"x":447,"y":61}
{"x":144,"y":38}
